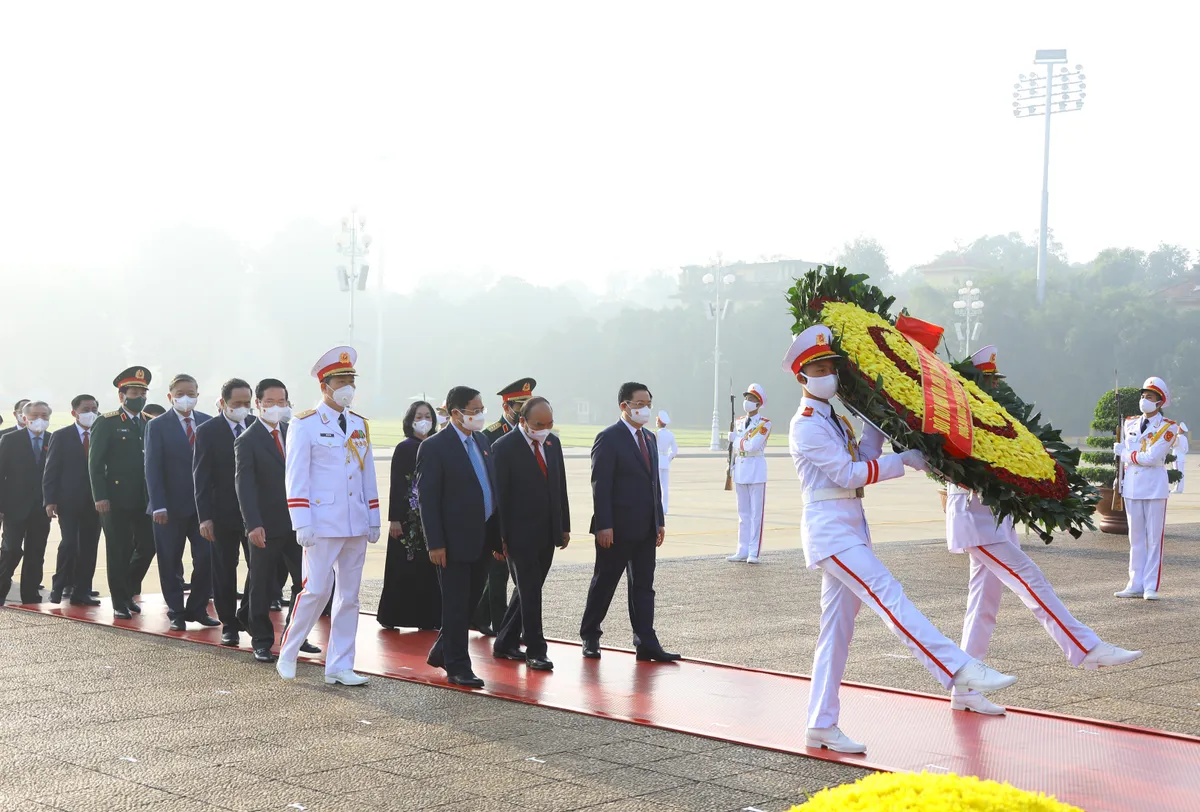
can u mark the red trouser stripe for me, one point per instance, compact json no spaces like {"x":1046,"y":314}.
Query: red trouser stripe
{"x":295,"y":609}
{"x":1029,"y":589}
{"x":1161,"y":540}
{"x":762,"y":518}
{"x":895,"y":622}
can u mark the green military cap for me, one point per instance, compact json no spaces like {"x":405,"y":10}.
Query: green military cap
{"x":518,"y":391}
{"x":134,"y":376}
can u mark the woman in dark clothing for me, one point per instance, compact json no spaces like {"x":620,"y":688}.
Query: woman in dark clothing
{"x":411,"y":595}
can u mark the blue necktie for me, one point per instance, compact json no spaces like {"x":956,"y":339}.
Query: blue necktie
{"x":480,"y":472}
{"x":37,"y":449}
{"x":237,"y":431}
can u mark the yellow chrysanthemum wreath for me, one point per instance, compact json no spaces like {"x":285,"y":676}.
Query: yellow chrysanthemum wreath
{"x":929,"y":792}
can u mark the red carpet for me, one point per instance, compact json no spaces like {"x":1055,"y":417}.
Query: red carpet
{"x":1098,"y":766}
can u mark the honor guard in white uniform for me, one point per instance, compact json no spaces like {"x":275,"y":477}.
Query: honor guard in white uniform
{"x":1147,"y":440}
{"x":834,"y":468}
{"x":997,"y":561}
{"x":334,"y":504}
{"x":1181,"y":451}
{"x":667,"y":451}
{"x":749,"y":474}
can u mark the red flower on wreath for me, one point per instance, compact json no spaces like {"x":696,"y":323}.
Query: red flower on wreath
{"x":817,"y":302}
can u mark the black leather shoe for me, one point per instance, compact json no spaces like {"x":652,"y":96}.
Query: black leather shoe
{"x":509,"y":654}
{"x":95,"y":593}
{"x":539,"y":664}
{"x":264,"y":655}
{"x":178,"y":625}
{"x":231,"y":639}
{"x":591,"y":649}
{"x":31,"y":600}
{"x":133,"y":607}
{"x":657,"y":655}
{"x":436,"y":659}
{"x":68,"y":591}
{"x":205,"y":620}
{"x":84,"y":602}
{"x":186,"y":585}
{"x":467,"y":680}
{"x":122,"y":614}
{"x":276,"y":606}
{"x":285,"y":602}
{"x":308,"y":648}
{"x":56,"y":596}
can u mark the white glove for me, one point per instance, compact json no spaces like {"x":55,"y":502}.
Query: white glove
{"x":305,"y":536}
{"x":914,"y":459}
{"x":372,"y":535}
{"x":1119,"y":451}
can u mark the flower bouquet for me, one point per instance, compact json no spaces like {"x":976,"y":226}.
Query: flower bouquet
{"x":974,"y":432}
{"x":413,"y":538}
{"x":932,"y":792}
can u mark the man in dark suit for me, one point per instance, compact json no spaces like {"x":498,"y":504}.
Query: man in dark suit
{"x":456,"y":489}
{"x":26,"y":525}
{"x":260,"y":455}
{"x":627,"y":520}
{"x":535,"y":518}
{"x":67,"y":493}
{"x":18,"y":417}
{"x":170,"y":439}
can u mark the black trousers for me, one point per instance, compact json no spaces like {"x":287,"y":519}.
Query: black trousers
{"x":170,"y":539}
{"x":637,"y":560}
{"x":128,"y":552}
{"x":523,"y":618}
{"x":462,"y":585}
{"x":494,"y":602}
{"x":226,"y":553}
{"x":263,"y":582}
{"x":24,"y":538}
{"x":76,"y":563}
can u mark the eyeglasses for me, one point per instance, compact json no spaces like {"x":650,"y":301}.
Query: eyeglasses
{"x":470,"y":413}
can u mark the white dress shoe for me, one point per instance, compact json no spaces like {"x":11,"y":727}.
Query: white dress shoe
{"x":1106,"y":654}
{"x":832,"y":738}
{"x":976,"y":703}
{"x":1150,"y":594}
{"x":751,"y":560}
{"x":1128,"y":592}
{"x":346,"y":678}
{"x":286,"y":669}
{"x":736,"y":558}
{"x":975,"y":676}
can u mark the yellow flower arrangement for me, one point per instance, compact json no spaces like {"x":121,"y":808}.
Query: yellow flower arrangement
{"x":929,"y":792}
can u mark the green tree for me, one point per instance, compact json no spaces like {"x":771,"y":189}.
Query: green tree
{"x":865,"y":255}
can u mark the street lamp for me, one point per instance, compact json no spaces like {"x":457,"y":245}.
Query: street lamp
{"x":716,"y":310}
{"x":354,"y":245}
{"x":969,"y":309}
{"x":1034,"y":95}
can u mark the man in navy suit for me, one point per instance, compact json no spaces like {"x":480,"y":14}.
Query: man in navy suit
{"x":627,"y":521}
{"x":456,"y":489}
{"x":169,"y":442}
{"x":26,"y":525}
{"x":67,"y":493}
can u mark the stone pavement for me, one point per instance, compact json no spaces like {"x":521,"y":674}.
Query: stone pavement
{"x":97,"y":719}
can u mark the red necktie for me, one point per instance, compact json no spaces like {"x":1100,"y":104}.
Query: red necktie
{"x":642,"y":443}
{"x":278,"y":444}
{"x":537,"y":452}
{"x":187,"y":421}
{"x":87,"y":444}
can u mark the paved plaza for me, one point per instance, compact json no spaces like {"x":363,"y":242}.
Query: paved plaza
{"x":97,"y":719}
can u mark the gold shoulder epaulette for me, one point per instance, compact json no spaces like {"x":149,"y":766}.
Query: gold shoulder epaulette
{"x":113,"y":413}
{"x":306,"y":413}
{"x":494,"y":427}
{"x":356,"y":414}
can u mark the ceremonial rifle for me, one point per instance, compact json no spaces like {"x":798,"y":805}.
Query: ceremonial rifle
{"x":732,"y":422}
{"x":1118,"y":501}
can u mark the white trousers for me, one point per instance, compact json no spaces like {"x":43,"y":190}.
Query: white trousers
{"x":849,"y":579}
{"x":1147,"y":530}
{"x":343,"y":557}
{"x":751,"y":502}
{"x":664,"y":478}
{"x":1004,"y":564}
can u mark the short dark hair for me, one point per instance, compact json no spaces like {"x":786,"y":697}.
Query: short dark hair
{"x":180,"y":378}
{"x":532,"y":404}
{"x":628,"y":388}
{"x":261,"y":389}
{"x":20,"y":404}
{"x":410,"y":417}
{"x":231,"y":384}
{"x":75,"y":401}
{"x":459,"y":397}
{"x":153,"y":409}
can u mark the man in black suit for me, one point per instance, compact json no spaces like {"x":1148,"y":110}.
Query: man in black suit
{"x":18,"y":418}
{"x":26,"y":525}
{"x":67,"y":492}
{"x":262,"y":494}
{"x":627,"y":520}
{"x":535,"y":518}
{"x":456,"y":489}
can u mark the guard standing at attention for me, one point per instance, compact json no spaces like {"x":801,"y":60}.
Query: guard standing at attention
{"x":116,"y":467}
{"x":490,"y":613}
{"x":749,"y":474}
{"x":333,"y":500}
{"x":668,"y":450}
{"x":1147,"y":441}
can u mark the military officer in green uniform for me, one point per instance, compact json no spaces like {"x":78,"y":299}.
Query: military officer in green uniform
{"x":116,"y":467}
{"x":495,"y":592}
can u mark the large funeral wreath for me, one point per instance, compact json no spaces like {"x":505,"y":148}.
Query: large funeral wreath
{"x":1020,"y":466}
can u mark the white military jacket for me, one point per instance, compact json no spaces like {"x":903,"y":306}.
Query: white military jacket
{"x":1146,"y":456}
{"x":969,"y":523}
{"x":833,"y":469}
{"x":330,"y":474}
{"x":749,"y":441}
{"x":668,"y":449}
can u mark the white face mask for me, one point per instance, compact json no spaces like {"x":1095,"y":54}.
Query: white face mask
{"x":640,"y":416}
{"x":344,"y":397}
{"x":1147,"y":406}
{"x":824,"y":386}
{"x":274,"y":414}
{"x":37,"y":425}
{"x":239,"y":414}
{"x":183,"y":404}
{"x":540,"y":436}
{"x":86,"y":419}
{"x":422,"y":427}
{"x":442,"y":420}
{"x":749,"y":406}
{"x":287,"y":414}
{"x":474,"y":422}
{"x":21,"y":420}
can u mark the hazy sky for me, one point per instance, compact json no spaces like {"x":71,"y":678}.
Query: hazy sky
{"x":571,"y":140}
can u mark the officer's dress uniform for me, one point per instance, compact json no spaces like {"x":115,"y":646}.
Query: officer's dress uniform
{"x":1147,"y":441}
{"x":749,"y":440}
{"x":668,"y":450}
{"x":330,"y":480}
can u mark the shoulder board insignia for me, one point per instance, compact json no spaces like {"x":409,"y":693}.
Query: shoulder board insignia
{"x":495,"y":426}
{"x":307,"y":413}
{"x":356,"y":414}
{"x":766,"y":422}
{"x":808,"y":412}
{"x":1170,"y":436}
{"x":112,"y":414}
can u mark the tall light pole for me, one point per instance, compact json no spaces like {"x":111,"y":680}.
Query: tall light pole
{"x":354,"y":245}
{"x":1061,"y":93}
{"x":970,"y":309}
{"x":716,"y":311}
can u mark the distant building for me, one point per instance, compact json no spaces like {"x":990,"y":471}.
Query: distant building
{"x":949,"y":273}
{"x":755,"y":282}
{"x":1184,"y":294}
